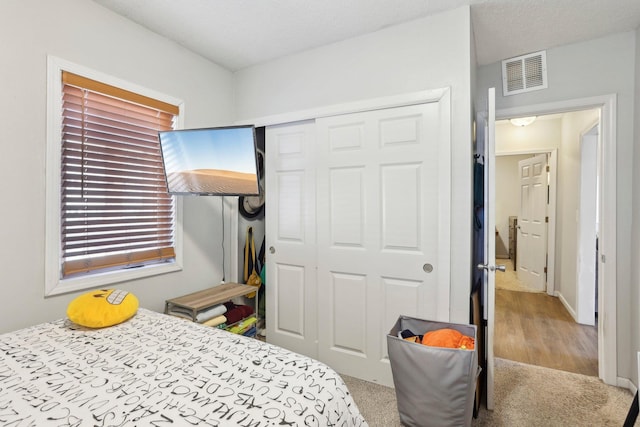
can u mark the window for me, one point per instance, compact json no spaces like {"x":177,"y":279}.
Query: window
{"x":115,"y":213}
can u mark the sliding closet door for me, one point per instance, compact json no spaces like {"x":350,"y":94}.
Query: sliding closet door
{"x":290,"y":229}
{"x":383,"y":213}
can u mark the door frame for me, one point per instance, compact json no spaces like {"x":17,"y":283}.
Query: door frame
{"x":607,"y":273}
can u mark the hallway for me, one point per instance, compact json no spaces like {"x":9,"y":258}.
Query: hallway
{"x":535,"y":328}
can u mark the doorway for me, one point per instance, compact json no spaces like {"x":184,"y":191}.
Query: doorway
{"x":562,"y":135}
{"x":607,"y":234}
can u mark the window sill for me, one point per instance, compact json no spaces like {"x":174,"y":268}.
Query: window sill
{"x":63,"y":286}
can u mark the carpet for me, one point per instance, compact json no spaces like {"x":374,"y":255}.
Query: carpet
{"x":525,"y":395}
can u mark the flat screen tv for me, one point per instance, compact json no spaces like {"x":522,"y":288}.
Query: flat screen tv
{"x":217,"y":161}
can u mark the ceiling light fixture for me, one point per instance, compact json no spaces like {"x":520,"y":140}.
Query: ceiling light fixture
{"x":522,"y":121}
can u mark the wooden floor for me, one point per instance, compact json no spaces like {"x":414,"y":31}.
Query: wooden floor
{"x":535,"y":328}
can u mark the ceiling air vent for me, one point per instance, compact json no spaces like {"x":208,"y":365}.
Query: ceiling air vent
{"x":524,"y":73}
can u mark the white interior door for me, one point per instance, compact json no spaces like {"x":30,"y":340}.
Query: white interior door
{"x":489,"y":277}
{"x":383,"y":230}
{"x":291,"y":237}
{"x":532,"y":224}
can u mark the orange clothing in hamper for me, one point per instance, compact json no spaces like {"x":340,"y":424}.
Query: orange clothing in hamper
{"x":448,"y":338}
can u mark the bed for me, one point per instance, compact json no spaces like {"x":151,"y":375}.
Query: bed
{"x":156,"y":370}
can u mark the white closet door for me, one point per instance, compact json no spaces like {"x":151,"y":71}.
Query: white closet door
{"x":290,"y":229}
{"x":384,"y":181}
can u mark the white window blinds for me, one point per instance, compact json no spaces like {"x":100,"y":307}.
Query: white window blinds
{"x":116,"y":212}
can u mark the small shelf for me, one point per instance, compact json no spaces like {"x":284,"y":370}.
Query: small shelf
{"x":207,"y":298}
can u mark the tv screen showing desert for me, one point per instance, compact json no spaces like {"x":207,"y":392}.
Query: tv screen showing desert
{"x":215,"y":161}
{"x":212,"y":181}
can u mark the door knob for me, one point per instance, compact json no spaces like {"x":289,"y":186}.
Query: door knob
{"x":491,"y":267}
{"x":272,"y":250}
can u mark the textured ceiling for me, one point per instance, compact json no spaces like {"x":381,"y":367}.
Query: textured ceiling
{"x":240,"y":33}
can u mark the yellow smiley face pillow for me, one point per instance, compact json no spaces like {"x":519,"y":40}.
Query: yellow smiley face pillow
{"x":102,"y":308}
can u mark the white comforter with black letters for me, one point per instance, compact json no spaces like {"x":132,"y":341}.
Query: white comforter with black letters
{"x":157,"y":370}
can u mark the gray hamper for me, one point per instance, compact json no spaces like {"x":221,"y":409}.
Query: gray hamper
{"x":434,"y":386}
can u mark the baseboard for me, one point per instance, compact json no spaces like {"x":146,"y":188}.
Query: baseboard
{"x":626,"y":383}
{"x":567,"y":306}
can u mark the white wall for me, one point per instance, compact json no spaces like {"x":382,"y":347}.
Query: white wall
{"x":428,"y":53}
{"x":586,"y":260}
{"x":568,"y":202}
{"x":593,"y":68}
{"x":85,"y":33}
{"x":507,"y":198}
{"x":541,"y":135}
